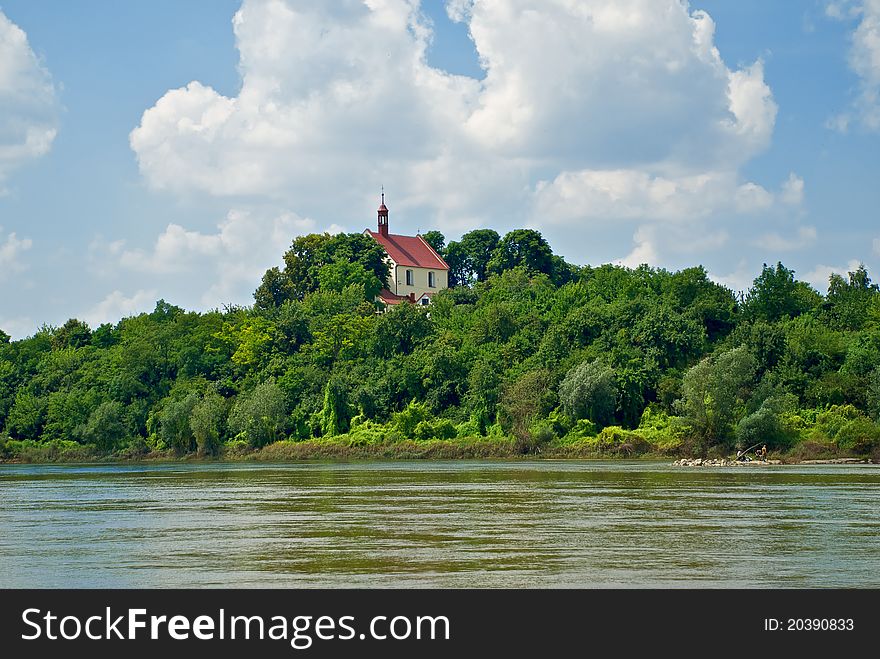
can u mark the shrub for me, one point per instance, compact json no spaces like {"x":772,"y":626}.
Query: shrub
{"x":860,"y":435}
{"x":440,"y":429}
{"x":406,"y":421}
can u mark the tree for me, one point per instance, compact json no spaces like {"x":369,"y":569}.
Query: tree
{"x":436,"y":240}
{"x":336,"y":412}
{"x":468,"y":259}
{"x":776,"y":294}
{"x":714,"y":394}
{"x":260,"y":415}
{"x":309,"y":254}
{"x":522,"y":247}
{"x":522,"y":402}
{"x":337,"y":276}
{"x":206,"y":422}
{"x":27,"y":416}
{"x":175,"y":428}
{"x":275,"y":289}
{"x":72,"y":334}
{"x":589,"y":391}
{"x":106,"y":427}
{"x":4,"y":337}
{"x":402,"y":329}
{"x":848,"y":302}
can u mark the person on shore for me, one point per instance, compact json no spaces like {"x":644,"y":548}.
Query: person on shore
{"x":762,"y":454}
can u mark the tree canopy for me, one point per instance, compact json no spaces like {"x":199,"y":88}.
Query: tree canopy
{"x":524,"y":346}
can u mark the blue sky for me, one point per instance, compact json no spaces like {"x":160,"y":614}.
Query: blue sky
{"x":164,"y":149}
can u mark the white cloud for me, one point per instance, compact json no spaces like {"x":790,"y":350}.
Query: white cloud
{"x":864,"y":60}
{"x":819,"y":275}
{"x":672,"y":240}
{"x":218,"y":268}
{"x":792,"y":192}
{"x":116,"y":306}
{"x":641,"y":119}
{"x":11,"y":250}
{"x":740,"y":280}
{"x":804,"y":237}
{"x":28,"y":107}
{"x":17,"y":327}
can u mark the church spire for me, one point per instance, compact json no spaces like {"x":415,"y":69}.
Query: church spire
{"x":383,"y":215}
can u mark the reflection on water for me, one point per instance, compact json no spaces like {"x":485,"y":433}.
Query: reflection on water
{"x":439,"y":524}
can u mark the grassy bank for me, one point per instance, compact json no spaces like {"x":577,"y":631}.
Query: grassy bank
{"x":344,"y":448}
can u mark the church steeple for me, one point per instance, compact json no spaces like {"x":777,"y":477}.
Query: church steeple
{"x":383,"y":215}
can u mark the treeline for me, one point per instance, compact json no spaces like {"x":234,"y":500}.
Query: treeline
{"x":526,"y":350}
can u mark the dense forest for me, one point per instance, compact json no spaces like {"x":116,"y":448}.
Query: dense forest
{"x":525,"y":354}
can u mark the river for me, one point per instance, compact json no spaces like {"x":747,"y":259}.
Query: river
{"x":439,"y":524}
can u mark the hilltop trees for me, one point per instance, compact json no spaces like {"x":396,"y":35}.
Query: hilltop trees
{"x":309,"y":255}
{"x":525,"y":349}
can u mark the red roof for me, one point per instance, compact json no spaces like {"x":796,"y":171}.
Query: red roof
{"x":413,"y":251}
{"x":387,"y":297}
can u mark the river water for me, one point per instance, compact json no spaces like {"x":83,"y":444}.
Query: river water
{"x":439,"y":524}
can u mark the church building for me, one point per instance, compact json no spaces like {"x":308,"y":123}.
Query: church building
{"x":417,"y":271}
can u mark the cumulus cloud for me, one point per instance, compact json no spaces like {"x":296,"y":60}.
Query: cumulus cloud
{"x":740,"y":279}
{"x":17,"y":327}
{"x":28,"y":107}
{"x":218,"y":268}
{"x":608,"y":109}
{"x":11,"y":249}
{"x":864,"y":60}
{"x":804,"y":237}
{"x":672,"y":240}
{"x":117,"y":305}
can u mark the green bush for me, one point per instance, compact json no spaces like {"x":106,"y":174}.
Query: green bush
{"x":858,"y":436}
{"x":440,"y":429}
{"x":406,"y":421}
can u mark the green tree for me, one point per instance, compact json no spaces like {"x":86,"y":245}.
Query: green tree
{"x":337,"y":276}
{"x":336,"y":412}
{"x":275,"y":289}
{"x":72,"y":334}
{"x":848,"y":303}
{"x":175,"y":428}
{"x":27,"y":416}
{"x":436,"y":240}
{"x":776,"y":294}
{"x":468,"y":259}
{"x":260,"y":415}
{"x":589,"y":391}
{"x":402,"y":329}
{"x":522,"y":402}
{"x":106,"y":427}
{"x":522,"y":247}
{"x":206,"y":422}
{"x":714,"y":393}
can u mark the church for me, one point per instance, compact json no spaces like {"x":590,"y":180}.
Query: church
{"x":417,"y":271}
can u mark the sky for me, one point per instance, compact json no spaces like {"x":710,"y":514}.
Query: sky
{"x":172,"y":150}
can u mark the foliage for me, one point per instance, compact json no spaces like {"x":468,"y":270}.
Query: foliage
{"x":589,"y":391}
{"x":259,"y":416}
{"x":714,"y":393}
{"x":526,"y":353}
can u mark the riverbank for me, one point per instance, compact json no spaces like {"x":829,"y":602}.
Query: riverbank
{"x":343,"y":449}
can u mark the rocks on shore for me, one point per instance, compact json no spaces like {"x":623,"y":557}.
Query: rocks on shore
{"x":722,"y":462}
